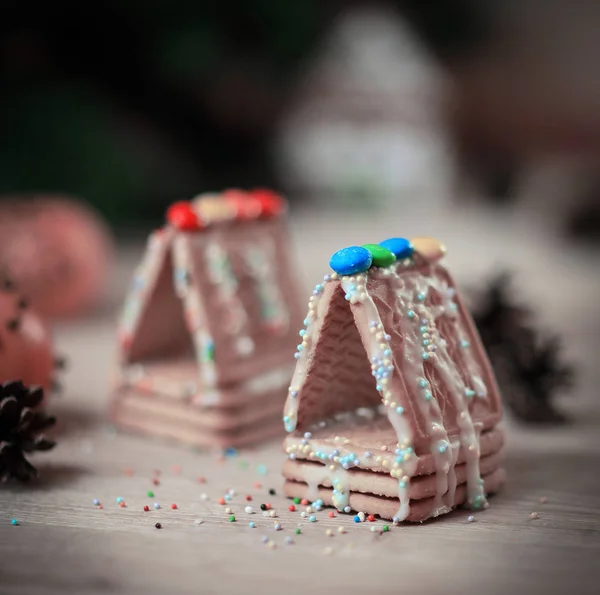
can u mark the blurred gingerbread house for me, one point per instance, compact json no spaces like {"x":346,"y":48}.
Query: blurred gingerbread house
{"x":367,"y":118}
{"x":209,"y":325}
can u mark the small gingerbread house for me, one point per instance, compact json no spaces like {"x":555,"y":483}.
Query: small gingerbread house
{"x":208,"y":327}
{"x":393,"y":407}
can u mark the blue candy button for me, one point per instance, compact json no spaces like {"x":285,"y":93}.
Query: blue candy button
{"x":349,"y":261}
{"x":401,"y":247}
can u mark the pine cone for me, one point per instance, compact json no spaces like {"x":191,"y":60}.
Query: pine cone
{"x":20,"y":429}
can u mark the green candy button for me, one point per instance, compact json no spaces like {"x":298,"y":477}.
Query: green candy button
{"x":382,"y":257}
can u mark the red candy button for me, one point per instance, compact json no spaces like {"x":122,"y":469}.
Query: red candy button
{"x":245,"y":207}
{"x":271,"y":204}
{"x":181,"y":216}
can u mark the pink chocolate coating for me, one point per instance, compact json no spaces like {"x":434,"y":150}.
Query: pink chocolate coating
{"x":57,"y":250}
{"x":26,"y":352}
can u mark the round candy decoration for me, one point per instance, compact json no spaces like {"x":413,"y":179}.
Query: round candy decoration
{"x":271,"y":204}
{"x":181,"y":216}
{"x":430,"y":249}
{"x":246,"y":208}
{"x":400,"y":247}
{"x":382,"y":257}
{"x":349,"y":261}
{"x":211,"y":208}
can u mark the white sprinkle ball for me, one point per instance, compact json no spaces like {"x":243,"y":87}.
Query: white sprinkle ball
{"x":248,"y":510}
{"x":228,"y":510}
{"x":272,"y":514}
{"x":198,"y":521}
{"x":534,"y":515}
{"x":361,"y":516}
{"x":341,"y":530}
{"x":203,"y":497}
{"x":374,"y":529}
{"x":329,"y":532}
{"x":265,"y":513}
{"x":470,"y":519}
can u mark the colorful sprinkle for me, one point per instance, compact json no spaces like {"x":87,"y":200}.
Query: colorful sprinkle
{"x":232,"y":518}
{"x":252,"y":525}
{"x":158,"y":526}
{"x":150,"y":494}
{"x":156,"y":505}
{"x":146,"y":508}
{"x":386,"y":528}
{"x":14,"y":522}
{"x":298,"y":531}
{"x":292,"y":508}
{"x":174,"y":506}
{"x":312,"y":518}
{"x":248,"y":510}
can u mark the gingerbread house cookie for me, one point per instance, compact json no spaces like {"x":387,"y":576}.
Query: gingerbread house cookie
{"x":393,"y":408}
{"x":207,"y":329}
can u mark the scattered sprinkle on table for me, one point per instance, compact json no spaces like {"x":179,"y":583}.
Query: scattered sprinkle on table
{"x":262,"y":506}
{"x":261,"y":469}
{"x":122,"y":504}
{"x":14,"y":522}
{"x":298,"y":531}
{"x":357,"y":519}
{"x":277,"y":526}
{"x":470,"y":519}
{"x":146,"y":508}
{"x":248,"y":510}
{"x":386,"y":528}
{"x":203,"y":497}
{"x":198,"y":521}
{"x":371,"y":518}
{"x":292,"y":508}
{"x":96,"y":502}
{"x":361,"y":516}
{"x":228,"y":510}
{"x":221,"y":501}
{"x":202,"y":479}
{"x":289,"y":540}
{"x":150,"y":494}
{"x":534,"y":515}
{"x":155,"y":481}
{"x":329,"y":533}
{"x":232,"y":518}
{"x":312,"y":518}
{"x":158,"y":526}
{"x":543,"y":500}
{"x":156,"y":505}
{"x":252,"y":525}
{"x":119,"y":500}
{"x":374,"y":529}
{"x":304,"y":501}
{"x":271,"y":492}
{"x":331,"y":514}
{"x":272,"y":513}
{"x":249,"y":498}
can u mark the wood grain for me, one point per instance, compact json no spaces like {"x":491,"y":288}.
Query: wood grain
{"x":65,"y":545}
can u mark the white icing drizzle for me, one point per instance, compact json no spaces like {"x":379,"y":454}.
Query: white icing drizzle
{"x":260,"y":260}
{"x":204,"y":346}
{"x":146,"y":271}
{"x":222,"y":276}
{"x":312,"y":328}
{"x":412,"y":290}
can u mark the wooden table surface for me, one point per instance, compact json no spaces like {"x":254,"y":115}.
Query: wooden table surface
{"x":64,"y":544}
